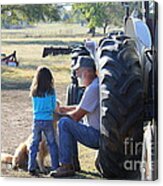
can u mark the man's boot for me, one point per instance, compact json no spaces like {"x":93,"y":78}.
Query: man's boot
{"x":65,"y":170}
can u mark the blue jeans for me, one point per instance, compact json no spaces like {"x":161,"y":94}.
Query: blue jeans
{"x":46,"y":127}
{"x":71,"y":132}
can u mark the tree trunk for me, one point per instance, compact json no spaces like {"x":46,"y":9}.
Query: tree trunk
{"x":92,"y":31}
{"x":104,"y":28}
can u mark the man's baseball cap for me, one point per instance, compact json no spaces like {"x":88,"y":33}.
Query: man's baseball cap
{"x":84,"y":61}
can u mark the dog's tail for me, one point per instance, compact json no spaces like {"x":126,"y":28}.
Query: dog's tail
{"x":6,"y":158}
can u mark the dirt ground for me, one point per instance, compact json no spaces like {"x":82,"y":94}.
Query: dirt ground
{"x":16,"y":120}
{"x":16,"y":117}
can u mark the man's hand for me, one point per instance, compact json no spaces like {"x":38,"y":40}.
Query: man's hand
{"x":78,"y":114}
{"x":74,"y":112}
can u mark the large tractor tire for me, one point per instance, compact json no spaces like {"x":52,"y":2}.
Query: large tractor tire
{"x":121,"y":82}
{"x":74,"y":94}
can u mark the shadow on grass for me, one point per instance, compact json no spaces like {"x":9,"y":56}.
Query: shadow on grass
{"x":87,"y":175}
{"x":79,"y":175}
{"x":12,"y":85}
{"x":29,"y":67}
{"x":7,"y":171}
{"x":45,"y":42}
{"x":22,"y":85}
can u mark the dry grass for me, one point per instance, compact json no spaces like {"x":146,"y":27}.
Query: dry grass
{"x":58,"y":30}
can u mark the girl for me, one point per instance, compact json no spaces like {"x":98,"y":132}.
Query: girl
{"x":44,"y":102}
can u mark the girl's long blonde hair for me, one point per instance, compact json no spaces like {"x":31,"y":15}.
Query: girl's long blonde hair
{"x":43,"y":82}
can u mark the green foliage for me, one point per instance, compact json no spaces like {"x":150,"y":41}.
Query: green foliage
{"x":30,"y":13}
{"x":101,"y":14}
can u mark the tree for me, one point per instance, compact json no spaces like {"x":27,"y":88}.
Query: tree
{"x":91,"y":12}
{"x":101,"y":14}
{"x":14,"y":14}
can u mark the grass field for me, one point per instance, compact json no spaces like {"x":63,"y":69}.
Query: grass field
{"x":29,"y":44}
{"x":15,"y":82}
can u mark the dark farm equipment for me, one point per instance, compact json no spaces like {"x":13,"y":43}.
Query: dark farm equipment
{"x":10,"y":60}
{"x":128,"y":81}
{"x":127,"y":64}
{"x":54,"y":51}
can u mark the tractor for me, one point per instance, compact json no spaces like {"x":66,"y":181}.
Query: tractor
{"x":127,"y":66}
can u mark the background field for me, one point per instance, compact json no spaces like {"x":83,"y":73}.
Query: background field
{"x":16,"y":109}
